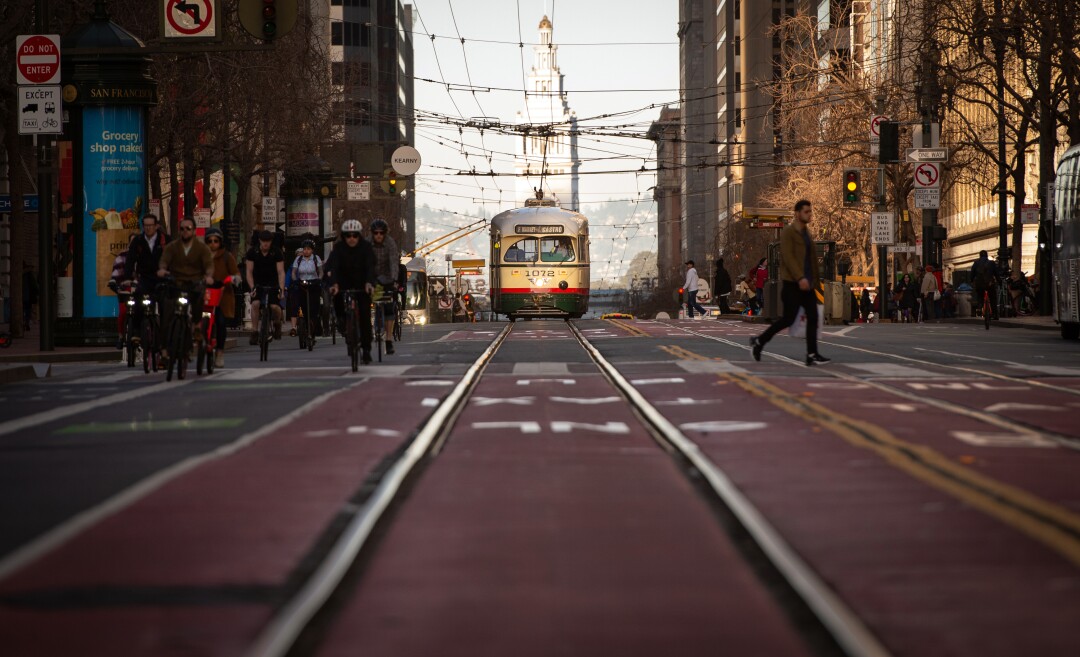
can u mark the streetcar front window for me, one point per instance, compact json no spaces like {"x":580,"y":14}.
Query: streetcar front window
{"x":557,"y":249}
{"x":416,"y":291}
{"x":523,"y":250}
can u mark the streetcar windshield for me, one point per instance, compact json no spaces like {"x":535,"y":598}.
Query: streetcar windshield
{"x":523,"y":250}
{"x":557,"y":249}
{"x":416,"y":291}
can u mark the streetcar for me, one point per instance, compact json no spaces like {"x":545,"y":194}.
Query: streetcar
{"x":416,"y":290}
{"x":1067,"y":247}
{"x":539,"y":262}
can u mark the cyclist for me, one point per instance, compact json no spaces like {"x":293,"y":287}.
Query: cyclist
{"x":984,"y":275}
{"x":189,"y":262}
{"x":351,"y":266}
{"x":121,"y":287}
{"x":141,"y":264}
{"x":225,"y":271}
{"x":387,"y":261}
{"x":265,"y":268}
{"x":306,"y":267}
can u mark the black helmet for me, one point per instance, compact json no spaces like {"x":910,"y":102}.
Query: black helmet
{"x":214,"y":232}
{"x":307,"y":244}
{"x":379,"y":224}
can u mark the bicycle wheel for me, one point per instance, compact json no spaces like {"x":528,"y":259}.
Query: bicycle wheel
{"x":352,"y":338}
{"x":172,"y":342}
{"x":380,"y":327}
{"x":309,"y":328}
{"x":184,"y":355}
{"x":397,"y":327}
{"x":264,"y":333}
{"x":987,"y":312}
{"x":129,"y":343}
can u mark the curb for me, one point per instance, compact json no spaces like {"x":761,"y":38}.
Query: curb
{"x":61,"y":357}
{"x":17,"y":372}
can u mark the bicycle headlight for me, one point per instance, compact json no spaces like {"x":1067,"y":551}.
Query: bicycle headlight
{"x":131,"y":302}
{"x":182,"y":301}
{"x":146,"y":302}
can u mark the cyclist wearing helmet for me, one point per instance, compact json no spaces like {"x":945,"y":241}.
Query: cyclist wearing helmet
{"x":266,"y":268}
{"x":387,"y":259}
{"x":306,"y":267}
{"x":351,"y":266}
{"x":226,"y":271}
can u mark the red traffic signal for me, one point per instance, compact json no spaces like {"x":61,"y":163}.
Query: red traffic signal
{"x":682,"y":291}
{"x":467,"y":298}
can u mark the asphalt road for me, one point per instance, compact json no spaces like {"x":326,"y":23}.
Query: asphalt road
{"x":927,"y":474}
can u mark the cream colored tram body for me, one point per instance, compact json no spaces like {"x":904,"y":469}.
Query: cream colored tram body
{"x":539,"y":263}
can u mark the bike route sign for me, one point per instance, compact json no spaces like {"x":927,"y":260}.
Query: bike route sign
{"x":40,"y":110}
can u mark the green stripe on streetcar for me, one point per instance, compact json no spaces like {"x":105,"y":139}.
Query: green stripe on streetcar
{"x":185,"y":424}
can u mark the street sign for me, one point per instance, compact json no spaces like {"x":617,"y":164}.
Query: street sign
{"x":762,"y":223}
{"x":190,"y":20}
{"x":917,"y":155}
{"x":154,"y":208}
{"x":358,"y":190}
{"x":269,"y":209}
{"x":405,"y":161}
{"x":40,"y":111}
{"x":467,"y":264}
{"x":875,"y":132}
{"x":470,"y":272}
{"x":882,"y":227}
{"x":1029,"y":214}
{"x":30,"y":203}
{"x":37,"y":59}
{"x":927,"y":174}
{"x":928,"y":198}
{"x":902,"y":248}
{"x":202,"y":217}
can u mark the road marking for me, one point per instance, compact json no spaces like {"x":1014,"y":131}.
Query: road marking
{"x":988,"y":439}
{"x":246,"y":373}
{"x":632,"y":330}
{"x":321,"y":433}
{"x":523,"y":427}
{"x":899,"y":407}
{"x":388,"y":433}
{"x":649,"y":382}
{"x":843,"y":333}
{"x":542,"y":369}
{"x":565,"y":382}
{"x":430,"y":382}
{"x":560,"y":426}
{"x":492,"y":401}
{"x":687,"y":401}
{"x":585,"y":401}
{"x":65,"y":531}
{"x":266,"y":385}
{"x":182,"y":424}
{"x":429,"y":402}
{"x":54,"y":414}
{"x":707,"y":366}
{"x":106,"y":378}
{"x":1013,"y":406}
{"x":1052,"y":525}
{"x":894,"y":370}
{"x":722,"y":426}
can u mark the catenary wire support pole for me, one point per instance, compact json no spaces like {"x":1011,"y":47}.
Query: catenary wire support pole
{"x":883,"y":250}
{"x":47,"y":297}
{"x":1002,"y":186}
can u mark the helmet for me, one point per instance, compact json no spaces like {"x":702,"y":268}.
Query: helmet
{"x":213,"y":232}
{"x":379,"y":224}
{"x":351,"y":226}
{"x":306,"y":244}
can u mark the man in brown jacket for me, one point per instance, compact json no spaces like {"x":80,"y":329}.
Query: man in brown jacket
{"x":797,"y":273}
{"x":189,"y":262}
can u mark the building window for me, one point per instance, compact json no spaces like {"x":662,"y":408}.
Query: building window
{"x":738,"y":46}
{"x":335,"y":34}
{"x":335,"y":3}
{"x":337,"y":73}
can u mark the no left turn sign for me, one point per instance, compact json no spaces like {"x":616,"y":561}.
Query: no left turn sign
{"x":927,"y":175}
{"x":190,"y":19}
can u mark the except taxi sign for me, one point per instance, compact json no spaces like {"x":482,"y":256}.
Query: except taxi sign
{"x":37,"y":58}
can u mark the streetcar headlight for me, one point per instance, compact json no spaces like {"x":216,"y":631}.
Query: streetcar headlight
{"x":563,"y":285}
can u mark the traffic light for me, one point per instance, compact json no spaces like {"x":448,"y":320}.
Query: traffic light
{"x":467,"y":298}
{"x":889,"y":142}
{"x":391,"y":186}
{"x":852,"y":187}
{"x":269,"y":15}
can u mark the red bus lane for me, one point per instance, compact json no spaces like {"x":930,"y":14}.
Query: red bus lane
{"x":551,"y":523}
{"x":198,"y":564}
{"x":931,"y":572}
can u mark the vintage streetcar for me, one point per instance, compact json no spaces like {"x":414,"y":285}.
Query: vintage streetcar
{"x":1067,"y":245}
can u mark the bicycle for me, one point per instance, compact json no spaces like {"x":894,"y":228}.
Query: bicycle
{"x":149,"y":332}
{"x":383,"y":298}
{"x":329,"y":318}
{"x":211,"y":302}
{"x":352,"y":325}
{"x":305,"y":325}
{"x":265,"y":320}
{"x":180,"y":332}
{"x":987,"y":311}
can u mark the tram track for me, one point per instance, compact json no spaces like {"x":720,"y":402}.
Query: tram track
{"x":824,"y":621}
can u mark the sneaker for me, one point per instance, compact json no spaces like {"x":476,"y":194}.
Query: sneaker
{"x":756,"y":345}
{"x":389,"y":347}
{"x":366,"y":357}
{"x":292,"y":333}
{"x":254,"y":338}
{"x":219,"y":359}
{"x":816,"y":359}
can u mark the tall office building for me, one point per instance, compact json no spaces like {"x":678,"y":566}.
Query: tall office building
{"x":548,"y":157}
{"x":698,"y":130}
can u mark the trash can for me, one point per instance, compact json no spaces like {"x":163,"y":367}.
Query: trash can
{"x":963,"y":304}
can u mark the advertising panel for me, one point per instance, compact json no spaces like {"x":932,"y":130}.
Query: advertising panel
{"x":302,"y":217}
{"x":114,"y":181}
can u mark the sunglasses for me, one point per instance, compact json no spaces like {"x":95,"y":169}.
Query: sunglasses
{"x":352,"y":236}
{"x":213,"y":240}
{"x":186,"y":228}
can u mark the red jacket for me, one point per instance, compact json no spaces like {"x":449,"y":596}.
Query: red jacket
{"x":762,"y":276}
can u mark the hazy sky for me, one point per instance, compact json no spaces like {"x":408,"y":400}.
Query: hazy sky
{"x":605,"y":48}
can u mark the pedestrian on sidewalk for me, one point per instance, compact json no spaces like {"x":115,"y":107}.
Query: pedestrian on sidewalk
{"x":761,"y":276}
{"x":930,"y":293}
{"x":797,"y":284}
{"x":722,"y":287}
{"x":691,"y":287}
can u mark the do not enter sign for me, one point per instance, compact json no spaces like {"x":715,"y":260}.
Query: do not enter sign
{"x":37,"y":58}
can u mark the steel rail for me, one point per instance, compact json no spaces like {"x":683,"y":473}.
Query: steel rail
{"x":278,"y":637}
{"x":845,"y":627}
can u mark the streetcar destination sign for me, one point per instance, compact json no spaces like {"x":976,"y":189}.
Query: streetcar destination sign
{"x":538,"y":230}
{"x":927,"y":154}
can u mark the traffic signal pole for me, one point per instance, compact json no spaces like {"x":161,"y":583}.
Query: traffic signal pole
{"x":47,"y":296}
{"x":884,"y":289}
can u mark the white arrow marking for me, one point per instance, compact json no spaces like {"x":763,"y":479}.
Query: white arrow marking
{"x":1002,"y":439}
{"x":607,"y":427}
{"x":1012,"y":406}
{"x":649,"y":382}
{"x":524,"y":427}
{"x":491,"y":401}
{"x":585,"y":400}
{"x":722,"y":426}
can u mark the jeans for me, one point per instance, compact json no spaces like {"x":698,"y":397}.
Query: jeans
{"x":793,"y":298}
{"x":692,"y":303}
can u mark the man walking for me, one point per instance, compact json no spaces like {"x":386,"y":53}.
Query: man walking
{"x":691,"y":286}
{"x":722,"y":287}
{"x":930,"y":294}
{"x":797,"y":285}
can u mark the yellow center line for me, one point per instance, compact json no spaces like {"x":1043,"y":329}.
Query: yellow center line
{"x":1051,"y":524}
{"x":632,"y":330}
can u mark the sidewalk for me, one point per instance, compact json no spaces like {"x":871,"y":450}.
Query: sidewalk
{"x":28,"y":350}
{"x":1039,"y":322}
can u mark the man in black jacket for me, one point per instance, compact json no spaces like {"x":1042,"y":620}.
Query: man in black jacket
{"x":722,"y":286}
{"x":141,"y":264}
{"x":351,"y":266}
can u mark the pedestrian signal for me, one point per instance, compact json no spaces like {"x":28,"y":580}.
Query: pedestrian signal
{"x":852,"y":187}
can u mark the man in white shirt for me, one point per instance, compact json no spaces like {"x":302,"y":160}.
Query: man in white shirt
{"x":691,"y":287}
